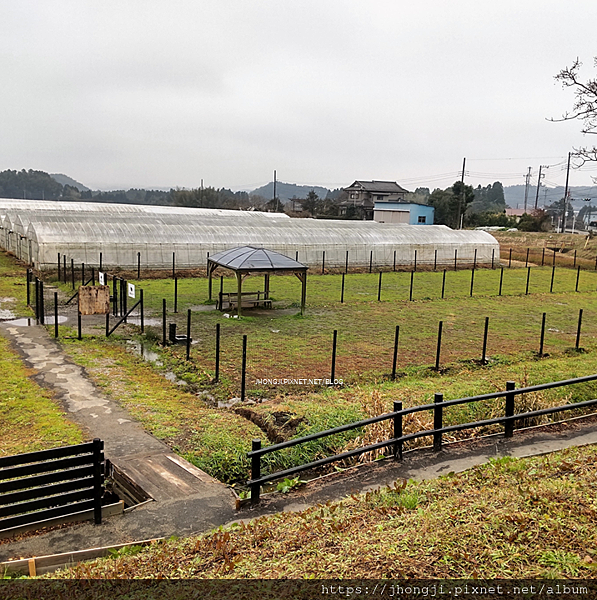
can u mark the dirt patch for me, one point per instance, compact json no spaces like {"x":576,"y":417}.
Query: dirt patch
{"x":279,"y":426}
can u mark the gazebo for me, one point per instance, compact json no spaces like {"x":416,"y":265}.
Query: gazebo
{"x":247,"y":260}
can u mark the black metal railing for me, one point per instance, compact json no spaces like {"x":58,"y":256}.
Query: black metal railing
{"x":398,"y":439}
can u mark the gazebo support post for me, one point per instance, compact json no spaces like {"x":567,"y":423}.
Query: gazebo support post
{"x":239,"y":281}
{"x":266,"y":286}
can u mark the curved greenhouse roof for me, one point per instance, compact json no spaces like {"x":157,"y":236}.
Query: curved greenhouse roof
{"x":82,"y":230}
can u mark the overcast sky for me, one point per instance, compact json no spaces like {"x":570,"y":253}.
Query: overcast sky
{"x":141,"y":93}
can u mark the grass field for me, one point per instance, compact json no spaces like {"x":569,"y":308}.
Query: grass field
{"x":284,"y":344}
{"x":529,"y":518}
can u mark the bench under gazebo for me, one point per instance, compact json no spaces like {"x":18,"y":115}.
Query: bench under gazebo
{"x":247,"y":260}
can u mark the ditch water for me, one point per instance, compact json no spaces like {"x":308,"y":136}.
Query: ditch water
{"x":151,"y":356}
{"x":30,"y":321}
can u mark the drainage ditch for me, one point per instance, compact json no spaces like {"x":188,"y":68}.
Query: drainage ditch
{"x":121,"y":487}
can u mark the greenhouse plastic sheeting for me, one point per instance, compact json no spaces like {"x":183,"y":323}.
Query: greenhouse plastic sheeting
{"x":81,"y":230}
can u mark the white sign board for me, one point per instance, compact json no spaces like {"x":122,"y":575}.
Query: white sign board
{"x":102,"y":278}
{"x":131,"y":290}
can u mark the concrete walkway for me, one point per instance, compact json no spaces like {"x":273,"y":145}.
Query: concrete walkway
{"x":189,"y":501}
{"x":186,"y":498}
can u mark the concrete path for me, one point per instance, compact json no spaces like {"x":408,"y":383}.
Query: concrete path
{"x":186,"y":498}
{"x":189,"y":501}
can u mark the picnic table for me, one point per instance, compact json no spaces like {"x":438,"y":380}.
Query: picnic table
{"x":229,"y":300}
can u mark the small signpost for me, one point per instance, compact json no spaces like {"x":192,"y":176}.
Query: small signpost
{"x":131,"y":290}
{"x":102,"y":278}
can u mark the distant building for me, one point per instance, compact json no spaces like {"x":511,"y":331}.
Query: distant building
{"x":362,"y":196}
{"x":408,"y":213}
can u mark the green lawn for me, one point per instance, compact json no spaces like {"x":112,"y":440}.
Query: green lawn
{"x":30,"y":419}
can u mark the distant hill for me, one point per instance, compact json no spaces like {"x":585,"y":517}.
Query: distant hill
{"x":287,"y":191}
{"x":66,"y":180}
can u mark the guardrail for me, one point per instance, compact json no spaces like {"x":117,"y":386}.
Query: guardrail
{"x":398,"y":439}
{"x":40,"y":486}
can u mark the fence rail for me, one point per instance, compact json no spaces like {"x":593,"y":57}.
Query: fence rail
{"x":397,"y":441}
{"x":48,"y":484}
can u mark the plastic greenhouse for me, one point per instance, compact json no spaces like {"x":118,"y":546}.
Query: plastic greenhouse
{"x":36,"y":231}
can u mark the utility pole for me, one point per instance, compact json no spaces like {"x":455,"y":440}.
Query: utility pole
{"x":539,"y":183}
{"x":461,"y":200}
{"x":275,"y":198}
{"x":566,"y":194}
{"x":526,"y":188}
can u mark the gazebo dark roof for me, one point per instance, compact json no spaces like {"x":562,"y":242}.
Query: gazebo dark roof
{"x":248,"y":258}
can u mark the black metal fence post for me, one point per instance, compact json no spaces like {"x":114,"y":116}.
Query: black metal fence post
{"x":217,"y":376}
{"x":189,"y":334}
{"x":142,"y":311}
{"x":100,"y":261}
{"x":485,"y":332}
{"x":92,"y":275}
{"x":323,"y":263}
{"x":439,"y":345}
{"x":342,"y":292}
{"x":438,"y":414}
{"x":526,"y":263}
{"x":475,"y":260}
{"x":138,"y":265}
{"x":163,"y":321}
{"x":526,"y":293}
{"x":574,"y":263}
{"x":415,"y":268}
{"x":37,"y":299}
{"x":334,"y":345}
{"x":455,"y":258}
{"x":578,"y":328}
{"x":553,"y":262}
{"x":72,"y":271}
{"x":509,"y":425}
{"x":379,"y":287}
{"x":174,"y":265}
{"x":176,"y":294}
{"x":107,"y":324}
{"x":472,"y":280}
{"x":577,"y":278}
{"x":553,"y":274}
{"x":542,"y":339}
{"x":115,"y":295}
{"x":64,"y":268}
{"x":255,"y":472}
{"x":395,"y":358}
{"x":82,"y":273}
{"x":493,"y":258}
{"x":42,"y":310}
{"x":501,"y":281}
{"x":543,"y":257}
{"x":510,"y":259}
{"x":346,"y":266}
{"x":435,"y":260}
{"x":371,"y":261}
{"x":443,"y":283}
{"x":397,"y":422}
{"x":59,"y":265}
{"x":79,"y":326}
{"x":412,"y":278}
{"x":243,"y":371}
{"x":394,"y":268}
{"x":29,"y":287}
{"x":98,"y":459}
{"x":55,"y":314}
